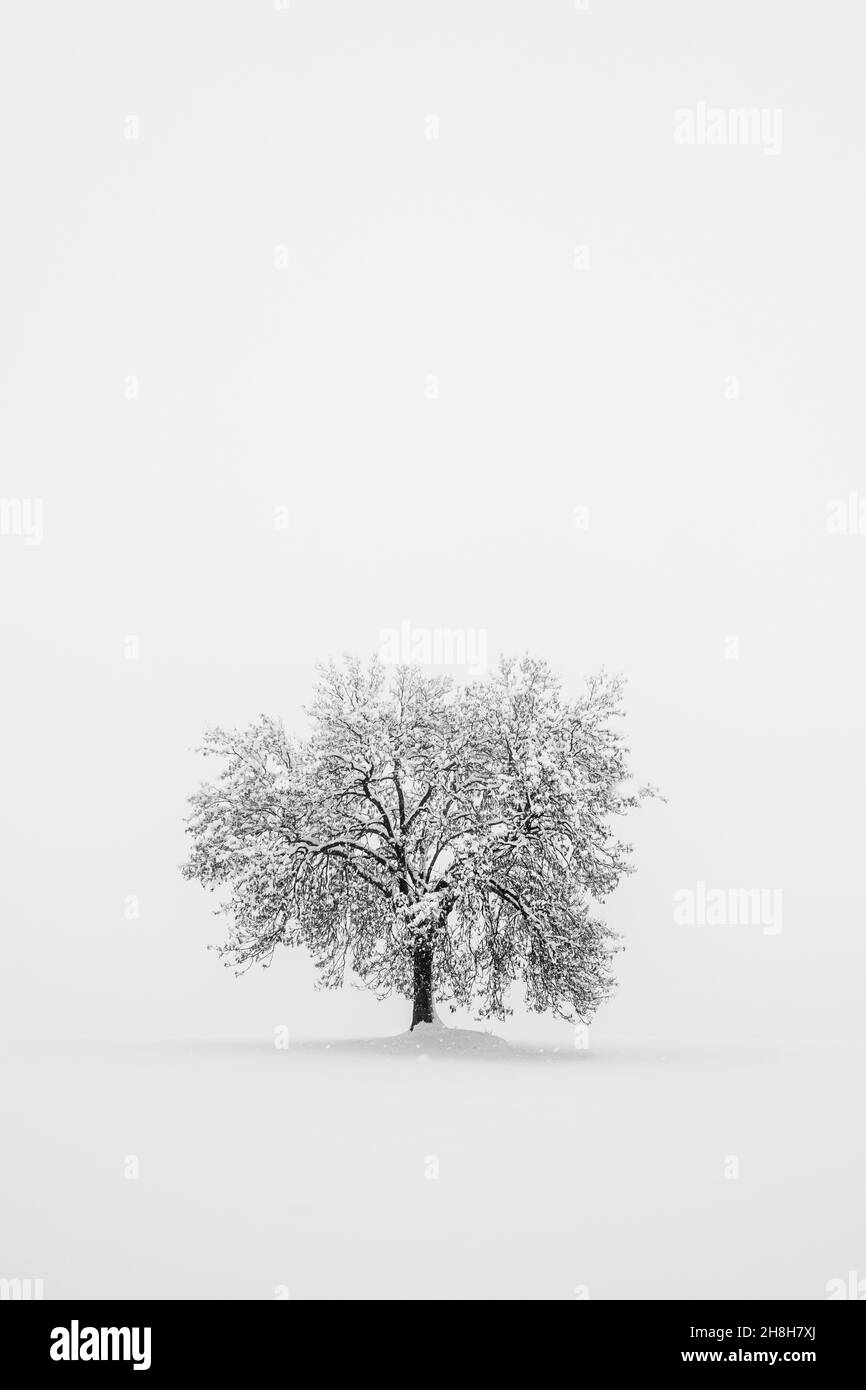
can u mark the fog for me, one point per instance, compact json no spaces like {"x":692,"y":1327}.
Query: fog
{"x":324,"y":320}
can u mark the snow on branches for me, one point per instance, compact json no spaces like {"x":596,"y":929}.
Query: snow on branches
{"x":444,"y":842}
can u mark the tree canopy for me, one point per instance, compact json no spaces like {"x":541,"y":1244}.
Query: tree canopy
{"x":442,"y":841}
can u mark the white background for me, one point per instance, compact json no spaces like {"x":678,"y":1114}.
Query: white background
{"x":283,"y":258}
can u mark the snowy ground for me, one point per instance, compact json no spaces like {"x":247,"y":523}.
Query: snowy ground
{"x":313,"y":1170}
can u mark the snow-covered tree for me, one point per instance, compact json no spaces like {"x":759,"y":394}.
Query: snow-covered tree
{"x":445,"y":842}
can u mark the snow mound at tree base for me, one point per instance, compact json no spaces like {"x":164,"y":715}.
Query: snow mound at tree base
{"x":431,"y":1039}
{"x":424,"y":1041}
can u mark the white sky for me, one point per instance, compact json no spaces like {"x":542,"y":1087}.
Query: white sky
{"x":306,"y":387}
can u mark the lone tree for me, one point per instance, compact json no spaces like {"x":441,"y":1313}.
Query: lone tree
{"x":445,"y":842}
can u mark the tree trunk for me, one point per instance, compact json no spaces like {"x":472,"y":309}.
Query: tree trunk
{"x":422,"y":963}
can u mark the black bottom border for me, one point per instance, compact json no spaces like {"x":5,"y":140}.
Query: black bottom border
{"x":234,"y":1337}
